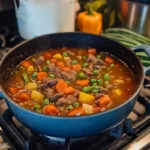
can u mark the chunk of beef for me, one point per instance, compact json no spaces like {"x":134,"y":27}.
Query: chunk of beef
{"x":96,"y":67}
{"x":69,"y":76}
{"x":68,"y":62}
{"x":99,"y":62}
{"x":91,"y":58}
{"x":76,"y":93}
{"x":39,"y":68}
{"x":41,"y":87}
{"x":66,"y":100}
{"x":109,"y":86}
{"x":98,"y":95}
{"x":70,"y":53}
{"x":87,"y":71}
{"x":56,"y":96}
{"x":48,"y":93}
{"x":39,"y":61}
{"x":103,"y":90}
{"x":49,"y":81}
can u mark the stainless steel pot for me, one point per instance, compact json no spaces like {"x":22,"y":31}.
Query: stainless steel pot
{"x":135,"y":16}
{"x":6,"y":4}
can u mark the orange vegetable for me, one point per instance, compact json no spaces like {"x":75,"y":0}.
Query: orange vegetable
{"x":67,"y":69}
{"x":61,"y":86}
{"x":69,"y":90}
{"x":53,"y":60}
{"x":13,"y":90}
{"x":109,"y":60}
{"x":105,"y":100}
{"x":41,"y":75}
{"x":92,"y":51}
{"x":51,"y":110}
{"x":82,"y":82}
{"x":97,"y":109}
{"x":61,"y":64}
{"x":26,"y":63}
{"x":76,"y":112}
{"x":23,"y":96}
{"x":76,"y":67}
{"x":47,"y":55}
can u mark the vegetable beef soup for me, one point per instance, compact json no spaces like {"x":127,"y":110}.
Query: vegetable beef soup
{"x":71,"y":82}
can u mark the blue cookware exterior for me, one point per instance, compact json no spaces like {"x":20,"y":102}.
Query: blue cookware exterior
{"x":71,"y":126}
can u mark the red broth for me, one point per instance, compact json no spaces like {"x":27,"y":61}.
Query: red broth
{"x":71,"y":82}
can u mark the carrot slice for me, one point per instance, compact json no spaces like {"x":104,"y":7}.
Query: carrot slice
{"x":82,"y":82}
{"x":61,"y":86}
{"x":61,"y":64}
{"x":26,"y":63}
{"x":41,"y":75}
{"x":76,"y":67}
{"x":53,"y":60}
{"x":47,"y":55}
{"x":97,"y":109}
{"x":76,"y":112}
{"x":92,"y":51}
{"x":105,"y":101}
{"x":13,"y":90}
{"x":109,"y":60}
{"x":69,"y":90}
{"x":51,"y":110}
{"x":23,"y":96}
{"x":67,"y":69}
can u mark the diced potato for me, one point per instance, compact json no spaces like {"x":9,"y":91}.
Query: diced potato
{"x":118,"y":92}
{"x":30,"y":69}
{"x":37,"y":96}
{"x":85,"y":98}
{"x":66,"y":58}
{"x":88,"y":108}
{"x":31,"y":86}
{"x":58,"y":56}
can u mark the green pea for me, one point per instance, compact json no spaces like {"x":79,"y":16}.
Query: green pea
{"x":93,"y":81}
{"x":45,"y":68}
{"x":95,"y":91}
{"x":86,"y":89}
{"x":81,"y":75}
{"x":35,"y":107}
{"x":74,"y":62}
{"x":47,"y":61}
{"x":69,"y":107}
{"x":94,"y":84}
{"x":65,"y":54}
{"x":46,"y":101}
{"x":112,"y":65}
{"x":98,"y":56}
{"x":85,"y":65}
{"x":106,"y":77}
{"x":34,"y":74}
{"x":95,"y":72}
{"x":52,"y":75}
{"x":95,"y":87}
{"x":100,"y":81}
{"x":84,"y":57}
{"x":76,"y":104}
{"x":68,"y":82}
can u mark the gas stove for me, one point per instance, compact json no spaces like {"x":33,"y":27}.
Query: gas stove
{"x":132,"y":134}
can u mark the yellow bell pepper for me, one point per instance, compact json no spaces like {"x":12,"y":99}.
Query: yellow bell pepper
{"x":90,"y":22}
{"x":85,"y":98}
{"x":58,"y":56}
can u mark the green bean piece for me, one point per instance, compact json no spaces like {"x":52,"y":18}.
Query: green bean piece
{"x":95,"y":91}
{"x":34,"y":74}
{"x":81,"y":75}
{"x":47,"y":61}
{"x":74,"y":62}
{"x":45,"y":68}
{"x":86,"y":89}
{"x":93,"y":81}
{"x":69,"y":107}
{"x":100,"y":81}
{"x":36,"y":107}
{"x":85,"y":65}
{"x":95,"y":72}
{"x":65,"y":54}
{"x":76,"y":104}
{"x":46,"y":101}
{"x":52,"y":75}
{"x":25,"y":77}
{"x":106,"y":77}
{"x":84,"y":57}
{"x":98,"y":56}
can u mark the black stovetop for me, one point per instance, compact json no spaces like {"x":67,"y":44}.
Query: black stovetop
{"x":14,"y":135}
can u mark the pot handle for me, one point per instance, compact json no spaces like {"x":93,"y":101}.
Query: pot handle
{"x":146,"y":49}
